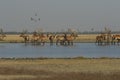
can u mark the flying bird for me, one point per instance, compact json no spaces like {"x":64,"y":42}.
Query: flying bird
{"x":35,"y":19}
{"x":31,"y":19}
{"x":39,"y":19}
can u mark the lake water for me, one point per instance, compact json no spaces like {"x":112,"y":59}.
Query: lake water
{"x":20,"y":50}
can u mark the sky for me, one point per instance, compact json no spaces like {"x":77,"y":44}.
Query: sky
{"x":59,"y":15}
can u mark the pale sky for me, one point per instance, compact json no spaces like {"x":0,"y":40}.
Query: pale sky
{"x":57,"y":15}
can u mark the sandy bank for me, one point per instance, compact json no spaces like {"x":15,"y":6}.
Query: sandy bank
{"x":80,"y":38}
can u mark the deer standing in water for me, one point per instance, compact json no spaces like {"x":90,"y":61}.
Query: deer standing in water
{"x":70,"y":38}
{"x":115,"y":38}
{"x":45,"y":38}
{"x":35,"y":37}
{"x":65,"y":39}
{"x":60,"y":39}
{"x":25,"y":37}
{"x":100,"y":39}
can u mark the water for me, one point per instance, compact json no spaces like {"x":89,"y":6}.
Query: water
{"x":20,"y":50}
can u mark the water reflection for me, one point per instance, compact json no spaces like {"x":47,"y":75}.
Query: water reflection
{"x":2,"y":46}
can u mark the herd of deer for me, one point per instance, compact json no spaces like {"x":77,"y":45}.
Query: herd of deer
{"x":64,"y":39}
{"x":111,"y":39}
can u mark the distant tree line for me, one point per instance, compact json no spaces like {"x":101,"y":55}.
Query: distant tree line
{"x":86,"y":32}
{"x":69,"y":30}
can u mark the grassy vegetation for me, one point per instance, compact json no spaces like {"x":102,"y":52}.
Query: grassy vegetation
{"x":59,"y":69}
{"x":80,"y":38}
{"x":23,"y":74}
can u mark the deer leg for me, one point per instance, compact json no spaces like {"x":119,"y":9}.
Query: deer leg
{"x":118,"y":41}
{"x":43,"y":43}
{"x":62,"y":42}
{"x":51,"y":42}
{"x":71,"y":42}
{"x":57,"y":42}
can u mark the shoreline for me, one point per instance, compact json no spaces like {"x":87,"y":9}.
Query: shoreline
{"x":65,"y":58}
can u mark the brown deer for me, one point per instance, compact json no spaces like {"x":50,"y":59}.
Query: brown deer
{"x":115,"y":38}
{"x":2,"y":36}
{"x":100,"y":39}
{"x":65,"y":39}
{"x":70,"y":38}
{"x":60,"y":39}
{"x":43,"y":38}
{"x":35,"y":37}
{"x":25,"y":37}
{"x":51,"y":38}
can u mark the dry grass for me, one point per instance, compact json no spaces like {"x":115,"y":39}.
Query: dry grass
{"x":47,"y":75}
{"x":60,"y":69}
{"x":80,"y":38}
{"x":13,"y":38}
{"x":66,"y":65}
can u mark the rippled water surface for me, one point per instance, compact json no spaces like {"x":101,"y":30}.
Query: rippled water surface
{"x":78,"y":49}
